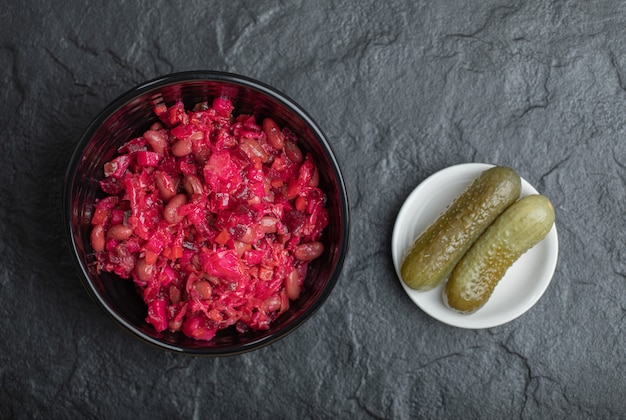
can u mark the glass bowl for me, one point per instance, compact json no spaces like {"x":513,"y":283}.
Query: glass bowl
{"x":132,"y":114}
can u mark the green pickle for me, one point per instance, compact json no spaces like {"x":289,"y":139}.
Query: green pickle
{"x":441,"y":246}
{"x":513,"y":233}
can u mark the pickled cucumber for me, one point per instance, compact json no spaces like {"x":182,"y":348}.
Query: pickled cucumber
{"x":439,"y":248}
{"x":513,"y":233}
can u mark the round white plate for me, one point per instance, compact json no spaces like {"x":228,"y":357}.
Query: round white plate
{"x":523,"y":284}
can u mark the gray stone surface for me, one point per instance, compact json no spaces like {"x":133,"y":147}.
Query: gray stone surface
{"x":402,"y":89}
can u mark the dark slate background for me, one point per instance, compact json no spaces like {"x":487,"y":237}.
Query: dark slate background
{"x":402,"y":89}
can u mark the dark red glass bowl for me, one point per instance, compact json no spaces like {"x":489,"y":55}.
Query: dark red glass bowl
{"x":130,"y":115}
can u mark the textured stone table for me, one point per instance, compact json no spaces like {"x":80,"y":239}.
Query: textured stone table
{"x":402,"y":89}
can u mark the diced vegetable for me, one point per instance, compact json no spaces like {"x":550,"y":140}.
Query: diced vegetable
{"x":214,"y":217}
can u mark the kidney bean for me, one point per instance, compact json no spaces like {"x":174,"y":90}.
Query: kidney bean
{"x":143,"y":269}
{"x":204,"y":289}
{"x":97,"y":238}
{"x":301,"y":203}
{"x":293,"y":152}
{"x":308,"y":251}
{"x":315,"y":178}
{"x":202,"y":155}
{"x":268,"y":224}
{"x":156,"y":139}
{"x":175,"y":294}
{"x":292,"y":285}
{"x":170,"y":212}
{"x":195,"y":261}
{"x":293,"y":189}
{"x":119,"y":232}
{"x":253,"y":150}
{"x":192,"y":185}
{"x":274,"y":137}
{"x":181,"y":148}
{"x":165,"y":184}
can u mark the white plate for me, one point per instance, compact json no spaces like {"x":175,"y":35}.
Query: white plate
{"x":523,"y":284}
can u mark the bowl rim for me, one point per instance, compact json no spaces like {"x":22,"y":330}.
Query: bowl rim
{"x":209,"y":76}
